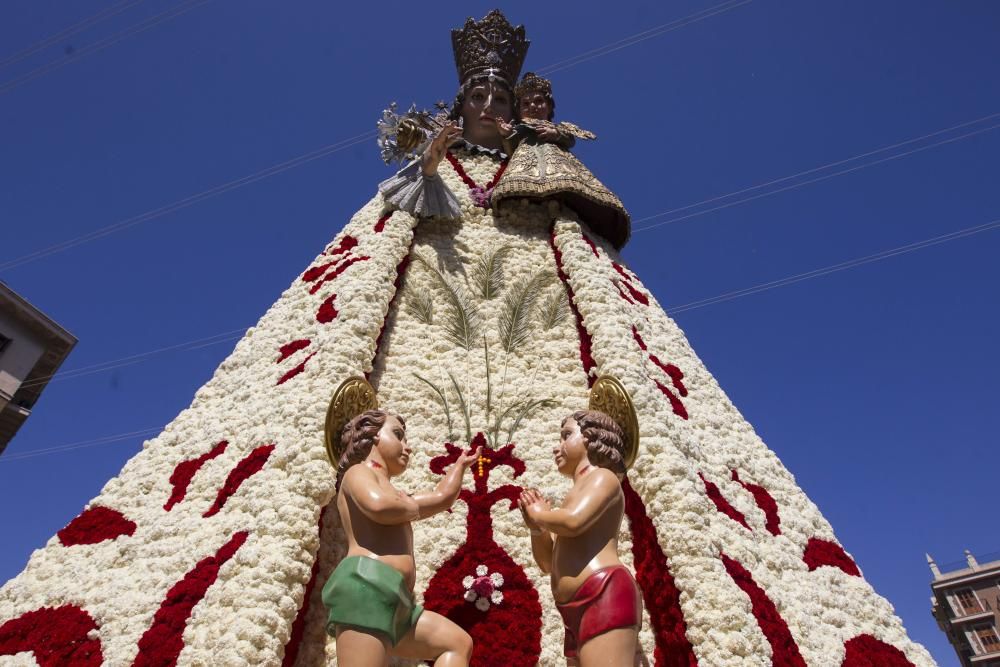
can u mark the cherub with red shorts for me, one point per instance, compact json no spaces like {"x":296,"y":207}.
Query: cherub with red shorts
{"x":577,"y":544}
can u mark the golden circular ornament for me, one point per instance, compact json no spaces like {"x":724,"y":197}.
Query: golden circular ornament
{"x":353,"y":396}
{"x":609,"y":396}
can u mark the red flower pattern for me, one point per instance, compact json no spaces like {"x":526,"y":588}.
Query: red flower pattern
{"x":519,"y":614}
{"x":185,"y":471}
{"x":824,"y":552}
{"x":660,"y":594}
{"x":586,"y":358}
{"x":97,"y":524}
{"x":784,"y":650}
{"x":866,"y":651}
{"x":55,"y":636}
{"x":721,"y":504}
{"x":252,"y":464}
{"x":765,"y":502}
{"x":163,"y":641}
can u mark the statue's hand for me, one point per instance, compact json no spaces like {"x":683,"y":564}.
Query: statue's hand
{"x":432,"y":157}
{"x":536,"y":501}
{"x":506,"y":129}
{"x":547,"y":131}
{"x":466,"y":460}
{"x":522,"y":504}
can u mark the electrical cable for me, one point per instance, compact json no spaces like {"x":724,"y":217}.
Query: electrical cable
{"x":135,"y":29}
{"x":102,"y":15}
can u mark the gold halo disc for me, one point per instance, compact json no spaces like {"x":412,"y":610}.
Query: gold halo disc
{"x":609,"y":396}
{"x":353,"y":396}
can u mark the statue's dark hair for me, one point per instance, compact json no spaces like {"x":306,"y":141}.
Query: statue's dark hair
{"x":604,"y":437}
{"x":358,"y":438}
{"x":456,"y":106}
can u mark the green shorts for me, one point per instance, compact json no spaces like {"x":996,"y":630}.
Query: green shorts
{"x":368,"y":595}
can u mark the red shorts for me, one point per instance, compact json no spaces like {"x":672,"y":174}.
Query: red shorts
{"x":607,"y":600}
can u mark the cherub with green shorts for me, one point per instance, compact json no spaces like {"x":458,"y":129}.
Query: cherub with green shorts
{"x":370,"y":594}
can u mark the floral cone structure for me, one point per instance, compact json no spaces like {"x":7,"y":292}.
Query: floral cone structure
{"x":212,"y":544}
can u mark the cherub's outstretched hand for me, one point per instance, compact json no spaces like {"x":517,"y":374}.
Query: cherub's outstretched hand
{"x":466,"y":460}
{"x":432,"y":157}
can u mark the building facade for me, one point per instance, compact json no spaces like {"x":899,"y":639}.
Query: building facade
{"x":966,"y":604}
{"x":32,"y":347}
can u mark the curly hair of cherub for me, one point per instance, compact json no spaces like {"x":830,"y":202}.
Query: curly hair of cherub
{"x":358,"y":438}
{"x":605,"y":439}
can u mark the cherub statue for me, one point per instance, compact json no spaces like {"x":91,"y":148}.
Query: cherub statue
{"x":369,"y":596}
{"x":541,"y":166}
{"x":577,"y":544}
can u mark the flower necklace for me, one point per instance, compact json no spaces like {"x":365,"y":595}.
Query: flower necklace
{"x":585,"y":470}
{"x":375,"y":464}
{"x":480,"y":195}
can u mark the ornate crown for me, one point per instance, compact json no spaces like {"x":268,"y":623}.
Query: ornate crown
{"x":492,"y":47}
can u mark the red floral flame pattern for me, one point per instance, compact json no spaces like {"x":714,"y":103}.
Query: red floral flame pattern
{"x":346,"y":245}
{"x":673,"y":372}
{"x":288,"y":349}
{"x":327,"y":312}
{"x":330,"y":275}
{"x":519,"y":614}
{"x":765,"y":502}
{"x":185,"y":471}
{"x":295,"y":371}
{"x":163,"y":641}
{"x":721,"y":504}
{"x":660,"y":594}
{"x":250,"y":465}
{"x":96,"y":524}
{"x":586,"y":358}
{"x":626,"y":280}
{"x":784,"y":650}
{"x":824,"y":552}
{"x":866,"y":651}
{"x":55,"y":636}
{"x":593,"y":246}
{"x":397,"y":283}
{"x":380,"y":225}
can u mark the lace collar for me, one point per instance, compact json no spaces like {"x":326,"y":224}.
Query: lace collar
{"x":465,"y":144}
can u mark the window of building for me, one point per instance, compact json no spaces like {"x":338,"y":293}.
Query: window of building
{"x":988,"y":639}
{"x":968,"y":603}
{"x":4,"y":341}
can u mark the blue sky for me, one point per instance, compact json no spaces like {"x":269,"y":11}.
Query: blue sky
{"x":875,"y":385}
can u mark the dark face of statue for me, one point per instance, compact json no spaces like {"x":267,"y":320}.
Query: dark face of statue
{"x":572,"y":448}
{"x":484,"y":103}
{"x":536,"y":106}
{"x":392,"y":446}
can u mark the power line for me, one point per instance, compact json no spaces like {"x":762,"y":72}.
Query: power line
{"x":302,"y":159}
{"x":137,"y":358}
{"x":643,"y":36}
{"x":834,"y":268}
{"x":820,"y":168}
{"x":188,"y":201}
{"x":81,"y":444}
{"x":135,"y":29}
{"x":102,"y":15}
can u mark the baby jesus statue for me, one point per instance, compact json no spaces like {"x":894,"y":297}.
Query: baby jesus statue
{"x":577,"y":544}
{"x":542,"y":167}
